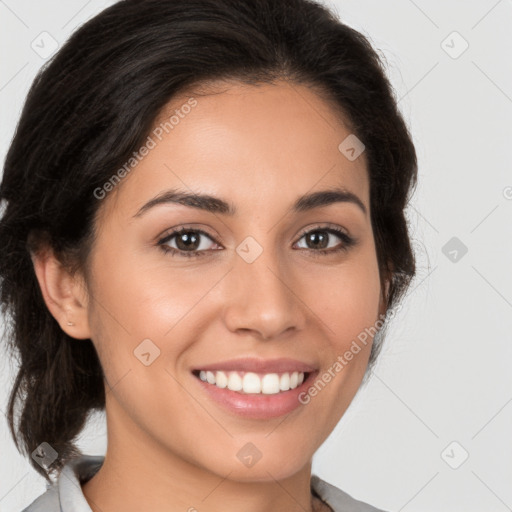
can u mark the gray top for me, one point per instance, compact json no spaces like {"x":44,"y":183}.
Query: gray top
{"x":66,"y":494}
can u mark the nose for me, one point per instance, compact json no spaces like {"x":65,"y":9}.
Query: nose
{"x":262,"y":297}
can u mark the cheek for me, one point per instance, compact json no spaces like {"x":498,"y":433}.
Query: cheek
{"x":346,"y":299}
{"x":139,"y":295}
{"x":147,"y":312}
{"x":142,"y":315}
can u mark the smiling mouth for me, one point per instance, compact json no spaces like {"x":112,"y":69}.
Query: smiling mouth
{"x":253,"y":383}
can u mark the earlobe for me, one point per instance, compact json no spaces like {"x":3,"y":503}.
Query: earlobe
{"x":384,"y":301}
{"x":63,"y":294}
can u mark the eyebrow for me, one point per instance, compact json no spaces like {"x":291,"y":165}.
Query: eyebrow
{"x":216,"y":205}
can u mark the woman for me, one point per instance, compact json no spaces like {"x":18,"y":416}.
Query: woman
{"x":203,"y":234}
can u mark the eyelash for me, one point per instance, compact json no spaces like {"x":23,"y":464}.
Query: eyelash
{"x":347,"y":243}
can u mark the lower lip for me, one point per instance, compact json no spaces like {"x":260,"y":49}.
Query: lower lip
{"x":257,"y":406}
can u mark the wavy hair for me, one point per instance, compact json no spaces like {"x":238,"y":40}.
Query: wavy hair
{"x":93,"y":104}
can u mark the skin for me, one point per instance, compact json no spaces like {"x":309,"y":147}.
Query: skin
{"x":169,"y":446}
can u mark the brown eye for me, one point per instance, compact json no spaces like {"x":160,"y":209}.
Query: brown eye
{"x":188,"y":242}
{"x":318,"y":240}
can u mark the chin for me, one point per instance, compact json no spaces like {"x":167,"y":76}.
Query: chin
{"x":265,"y":465}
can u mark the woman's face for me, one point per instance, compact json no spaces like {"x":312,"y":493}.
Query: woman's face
{"x":255,"y":295}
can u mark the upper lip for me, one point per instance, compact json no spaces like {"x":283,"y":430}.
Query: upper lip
{"x":249,"y":364}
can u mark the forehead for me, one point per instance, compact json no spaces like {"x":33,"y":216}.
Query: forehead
{"x":256,"y":145}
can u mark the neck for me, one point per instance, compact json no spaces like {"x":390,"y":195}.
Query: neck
{"x":132,"y":484}
{"x":139,"y":474}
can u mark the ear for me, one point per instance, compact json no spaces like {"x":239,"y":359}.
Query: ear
{"x":384,"y":298}
{"x":65,"y":295}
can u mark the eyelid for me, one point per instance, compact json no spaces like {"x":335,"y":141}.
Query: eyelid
{"x":185,"y":227}
{"x":322,"y":225}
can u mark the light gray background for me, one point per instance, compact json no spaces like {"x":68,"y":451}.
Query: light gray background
{"x":444,"y":374}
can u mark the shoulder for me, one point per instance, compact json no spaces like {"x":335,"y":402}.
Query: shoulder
{"x":337,"y":499}
{"x":47,"y":502}
{"x":65,"y":495}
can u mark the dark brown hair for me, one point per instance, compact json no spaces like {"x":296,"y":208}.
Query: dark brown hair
{"x":94,"y":103}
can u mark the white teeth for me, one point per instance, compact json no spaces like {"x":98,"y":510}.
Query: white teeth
{"x":234,"y":382}
{"x":252,"y":383}
{"x":270,"y":384}
{"x":284,"y":382}
{"x":221,"y":380}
